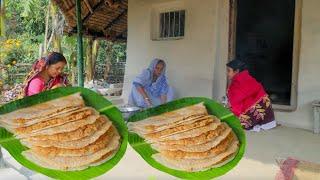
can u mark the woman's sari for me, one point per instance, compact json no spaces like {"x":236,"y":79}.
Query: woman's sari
{"x":249,"y":101}
{"x":37,"y":68}
{"x":259,"y":115}
{"x":154,"y":89}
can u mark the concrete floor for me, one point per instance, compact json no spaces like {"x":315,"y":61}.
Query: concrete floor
{"x":265,"y":147}
{"x":258,"y":163}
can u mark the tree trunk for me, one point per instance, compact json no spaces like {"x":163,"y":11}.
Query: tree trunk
{"x":56,"y":38}
{"x":2,"y":33}
{"x":41,"y":50}
{"x":108,"y":61}
{"x":57,"y":43}
{"x":45,"y":43}
{"x":95,"y":50}
{"x":73,"y":60}
{"x":2,"y":18}
{"x":89,"y":63}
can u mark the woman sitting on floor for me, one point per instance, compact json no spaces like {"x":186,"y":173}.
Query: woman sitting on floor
{"x":247,"y":98}
{"x":151,"y":87}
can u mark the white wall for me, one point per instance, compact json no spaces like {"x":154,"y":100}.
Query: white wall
{"x":309,"y":68}
{"x":196,"y":64}
{"x":190,"y":61}
{"x":309,"y":63}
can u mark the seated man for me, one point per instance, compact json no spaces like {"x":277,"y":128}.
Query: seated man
{"x":151,"y":88}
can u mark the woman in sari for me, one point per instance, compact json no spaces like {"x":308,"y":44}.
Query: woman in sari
{"x":46,"y":74}
{"x":151,"y":88}
{"x":248,"y":99}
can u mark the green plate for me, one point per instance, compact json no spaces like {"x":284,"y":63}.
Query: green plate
{"x":15,"y":148}
{"x":214,"y":108}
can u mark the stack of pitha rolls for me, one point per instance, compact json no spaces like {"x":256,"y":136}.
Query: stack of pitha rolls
{"x":188,"y":139}
{"x":63,"y":134}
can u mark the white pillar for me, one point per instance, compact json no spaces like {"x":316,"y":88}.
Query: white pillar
{"x":316,"y":116}
{"x":2,"y":164}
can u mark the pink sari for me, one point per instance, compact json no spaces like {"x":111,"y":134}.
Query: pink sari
{"x":33,"y":78}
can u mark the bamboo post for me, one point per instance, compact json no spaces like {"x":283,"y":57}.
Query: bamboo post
{"x":2,"y":18}
{"x":79,"y":45}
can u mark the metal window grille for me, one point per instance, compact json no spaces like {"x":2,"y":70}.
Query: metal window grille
{"x":172,"y":24}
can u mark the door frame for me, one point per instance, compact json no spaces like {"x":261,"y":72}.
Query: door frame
{"x":296,"y":50}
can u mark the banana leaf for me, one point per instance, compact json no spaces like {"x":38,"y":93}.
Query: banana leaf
{"x":214,"y":108}
{"x":15,"y":148}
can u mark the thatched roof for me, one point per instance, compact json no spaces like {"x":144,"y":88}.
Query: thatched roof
{"x":100,"y":18}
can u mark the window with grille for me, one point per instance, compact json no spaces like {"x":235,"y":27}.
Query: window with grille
{"x":172,"y":24}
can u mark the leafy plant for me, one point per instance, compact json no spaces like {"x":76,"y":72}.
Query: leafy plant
{"x":26,"y":16}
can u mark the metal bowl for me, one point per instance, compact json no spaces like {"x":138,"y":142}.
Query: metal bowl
{"x":128,"y":111}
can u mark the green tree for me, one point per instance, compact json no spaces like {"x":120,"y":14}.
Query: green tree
{"x":25,"y":16}
{"x":26,"y":26}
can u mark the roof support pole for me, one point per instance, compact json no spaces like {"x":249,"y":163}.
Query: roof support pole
{"x":79,"y":45}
